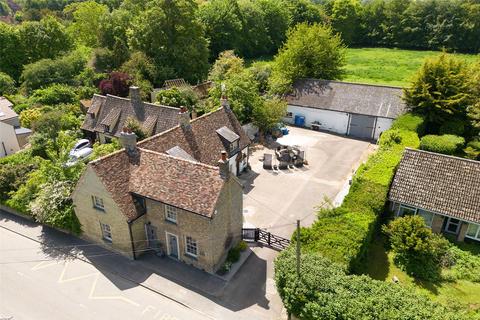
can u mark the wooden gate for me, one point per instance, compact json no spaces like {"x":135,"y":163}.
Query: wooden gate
{"x":265,"y":237}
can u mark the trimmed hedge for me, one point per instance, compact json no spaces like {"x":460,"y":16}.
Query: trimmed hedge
{"x":343,"y":234}
{"x":446,"y":144}
{"x":325,"y":291}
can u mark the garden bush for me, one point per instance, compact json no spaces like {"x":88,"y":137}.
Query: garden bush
{"x":410,"y":122}
{"x":417,"y":249}
{"x":455,"y":127}
{"x":472,"y":151}
{"x":445,"y":144}
{"x":464,"y":265}
{"x":325,"y":291}
{"x":54,"y":94}
{"x":343,"y":234}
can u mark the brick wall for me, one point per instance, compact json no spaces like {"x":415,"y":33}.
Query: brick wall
{"x":463,"y":231}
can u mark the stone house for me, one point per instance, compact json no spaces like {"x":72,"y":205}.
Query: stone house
{"x":444,"y":190}
{"x":12,"y":136}
{"x":172,"y":193}
{"x":107,"y":116}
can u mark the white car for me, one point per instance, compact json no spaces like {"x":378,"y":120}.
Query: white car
{"x":81,"y":154}
{"x":81,"y":144}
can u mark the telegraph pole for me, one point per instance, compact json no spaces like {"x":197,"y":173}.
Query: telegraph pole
{"x":298,"y":248}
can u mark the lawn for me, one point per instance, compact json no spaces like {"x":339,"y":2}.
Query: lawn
{"x":388,"y":66}
{"x":464,"y":295}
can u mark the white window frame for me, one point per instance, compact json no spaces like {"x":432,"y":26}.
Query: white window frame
{"x":106,"y":231}
{"x":477,"y":235}
{"x":449,"y":221}
{"x":170,"y":213}
{"x":195,"y":244}
{"x":416,"y":212}
{"x":98,"y":203}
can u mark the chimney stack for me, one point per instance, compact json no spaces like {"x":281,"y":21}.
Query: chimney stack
{"x":223,"y":166}
{"x":184,"y":117}
{"x":135,"y":96}
{"x":128,"y":140}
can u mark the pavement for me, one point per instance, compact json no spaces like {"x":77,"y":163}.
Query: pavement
{"x":275,"y":199}
{"x":47,"y":274}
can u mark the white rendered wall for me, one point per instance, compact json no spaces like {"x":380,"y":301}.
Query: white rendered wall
{"x":329,"y":120}
{"x":382,"y":125}
{"x":8,"y":140}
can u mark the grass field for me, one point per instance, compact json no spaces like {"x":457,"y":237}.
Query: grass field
{"x":464,"y":295}
{"x":388,"y":66}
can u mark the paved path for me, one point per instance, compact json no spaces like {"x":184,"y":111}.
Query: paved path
{"x":274,"y":200}
{"x":35,"y":286}
{"x":46,"y":274}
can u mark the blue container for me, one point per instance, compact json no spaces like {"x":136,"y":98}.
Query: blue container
{"x":299,"y":121}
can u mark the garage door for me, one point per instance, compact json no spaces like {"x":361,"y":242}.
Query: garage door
{"x":361,"y":126}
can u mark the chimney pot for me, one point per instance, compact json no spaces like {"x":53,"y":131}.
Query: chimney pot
{"x":223,"y":166}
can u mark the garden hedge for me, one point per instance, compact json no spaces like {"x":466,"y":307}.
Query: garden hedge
{"x":324,"y":291}
{"x":410,"y":122}
{"x":446,"y":144}
{"x":343,"y":234}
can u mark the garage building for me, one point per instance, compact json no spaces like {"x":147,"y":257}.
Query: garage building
{"x":359,"y":110}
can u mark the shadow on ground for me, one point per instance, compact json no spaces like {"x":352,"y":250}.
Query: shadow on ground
{"x":245,"y":289}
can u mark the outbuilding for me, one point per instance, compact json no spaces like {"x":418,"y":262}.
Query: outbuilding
{"x":359,"y":110}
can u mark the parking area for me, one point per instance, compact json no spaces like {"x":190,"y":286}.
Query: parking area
{"x":275,"y":199}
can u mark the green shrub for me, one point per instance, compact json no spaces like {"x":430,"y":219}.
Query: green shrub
{"x":233,"y":254}
{"x":472,"y":151}
{"x":54,"y":94}
{"x":410,"y":122}
{"x":242,"y":246}
{"x":324,"y":291}
{"x":7,"y":84}
{"x":455,"y":127}
{"x":464,"y":265}
{"x":417,"y":249}
{"x":343,"y":234}
{"x":445,"y":144}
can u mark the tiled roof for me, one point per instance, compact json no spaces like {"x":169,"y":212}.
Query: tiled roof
{"x":373,"y":100}
{"x":185,"y":184}
{"x":439,"y":183}
{"x":177,"y":167}
{"x":200,"y":140}
{"x":6,"y":111}
{"x":114,"y":111}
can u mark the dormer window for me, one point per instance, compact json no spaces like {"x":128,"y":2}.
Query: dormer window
{"x":230,"y":139}
{"x":106,"y":128}
{"x":233,"y":146}
{"x":140,"y":204}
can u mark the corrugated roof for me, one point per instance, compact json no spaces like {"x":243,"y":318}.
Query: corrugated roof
{"x":443,"y":184}
{"x":373,"y":100}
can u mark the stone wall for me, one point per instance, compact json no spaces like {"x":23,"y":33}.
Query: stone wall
{"x":90,"y":217}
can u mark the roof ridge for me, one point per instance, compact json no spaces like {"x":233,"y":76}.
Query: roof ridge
{"x":178,"y":158}
{"x":356,"y":83}
{"x":443,"y":155}
{"x":177,"y":126}
{"x":94,"y":162}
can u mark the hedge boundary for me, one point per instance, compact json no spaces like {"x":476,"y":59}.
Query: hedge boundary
{"x":343,"y":234}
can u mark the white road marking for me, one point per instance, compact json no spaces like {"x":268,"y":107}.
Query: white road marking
{"x":62,"y":275}
{"x":121,"y":298}
{"x":45,"y":264}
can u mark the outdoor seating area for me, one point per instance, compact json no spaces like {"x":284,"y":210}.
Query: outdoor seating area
{"x":285,"y":157}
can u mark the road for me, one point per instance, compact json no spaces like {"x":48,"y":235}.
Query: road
{"x":35,"y":286}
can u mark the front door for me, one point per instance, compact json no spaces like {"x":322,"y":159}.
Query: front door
{"x":152,"y":239}
{"x":172,"y":241}
{"x":452,"y":225}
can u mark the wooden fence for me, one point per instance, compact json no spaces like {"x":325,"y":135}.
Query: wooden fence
{"x":265,"y":237}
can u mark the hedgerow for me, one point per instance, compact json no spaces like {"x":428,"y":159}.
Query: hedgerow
{"x":446,"y":144}
{"x":324,"y":291}
{"x":343,"y":234}
{"x":410,"y":122}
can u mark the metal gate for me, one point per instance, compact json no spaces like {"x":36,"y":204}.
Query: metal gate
{"x":265,"y":237}
{"x":361,"y":126}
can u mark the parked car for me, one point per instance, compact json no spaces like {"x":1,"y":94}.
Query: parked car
{"x":79,"y":155}
{"x":81,"y":144}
